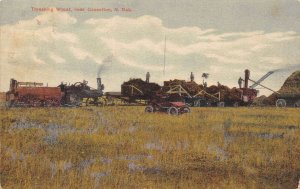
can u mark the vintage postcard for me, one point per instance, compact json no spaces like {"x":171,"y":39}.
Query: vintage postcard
{"x":149,"y":94}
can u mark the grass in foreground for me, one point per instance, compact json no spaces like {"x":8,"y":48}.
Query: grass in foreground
{"x":123,"y":147}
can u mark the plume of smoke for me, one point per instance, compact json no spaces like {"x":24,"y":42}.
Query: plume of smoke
{"x":288,"y":68}
{"x":105,"y":64}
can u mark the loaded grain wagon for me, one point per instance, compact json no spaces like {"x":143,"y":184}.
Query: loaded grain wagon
{"x":202,"y":95}
{"x":289,"y":93}
{"x":137,"y":89}
{"x":291,"y":100}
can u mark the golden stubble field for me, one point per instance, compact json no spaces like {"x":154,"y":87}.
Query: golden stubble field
{"x":123,"y":147}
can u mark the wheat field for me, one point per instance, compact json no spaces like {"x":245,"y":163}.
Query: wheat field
{"x":123,"y":147}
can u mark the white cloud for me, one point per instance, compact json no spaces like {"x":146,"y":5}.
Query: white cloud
{"x":37,"y":60}
{"x":58,"y":39}
{"x":225,"y":59}
{"x":271,"y":60}
{"x":56,"y":58}
{"x":132,"y":63}
{"x":134,"y":46}
{"x":225,"y":47}
{"x":48,"y":34}
{"x":80,"y":54}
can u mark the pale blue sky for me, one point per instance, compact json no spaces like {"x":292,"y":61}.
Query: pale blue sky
{"x":219,"y":37}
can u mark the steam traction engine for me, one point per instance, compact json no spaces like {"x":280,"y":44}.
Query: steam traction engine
{"x":32,"y":94}
{"x":80,"y":93}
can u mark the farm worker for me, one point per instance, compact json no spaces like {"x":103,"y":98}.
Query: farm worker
{"x":192,"y":76}
{"x":240,"y":81}
{"x":147,"y":77}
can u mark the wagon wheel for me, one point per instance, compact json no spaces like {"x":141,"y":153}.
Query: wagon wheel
{"x":74,"y":100}
{"x":51,"y":102}
{"x":189,"y":104}
{"x":173,"y":111}
{"x":221,"y":104}
{"x":236,"y":104}
{"x":25,"y":100}
{"x":95,"y":102}
{"x":297,"y":104}
{"x":84,"y":101}
{"x":10,"y":103}
{"x":208,"y":104}
{"x":87,"y":102}
{"x":197,"y":103}
{"x":186,"y":110}
{"x":280,"y":103}
{"x":149,"y":109}
{"x":37,"y":103}
{"x":103,"y":101}
{"x":56,"y":102}
{"x":126,"y":102}
{"x":47,"y":103}
{"x":31,"y":100}
{"x":110,"y":101}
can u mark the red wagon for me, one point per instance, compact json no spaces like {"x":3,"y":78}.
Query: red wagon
{"x":31,"y":94}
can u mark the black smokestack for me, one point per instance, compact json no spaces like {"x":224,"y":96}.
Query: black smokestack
{"x":247,"y":76}
{"x":99,"y":84}
{"x":13,"y":85}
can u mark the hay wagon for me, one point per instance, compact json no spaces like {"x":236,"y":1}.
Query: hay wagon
{"x":137,"y":91}
{"x":289,"y":99}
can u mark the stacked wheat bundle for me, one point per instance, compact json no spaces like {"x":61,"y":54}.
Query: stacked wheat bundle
{"x":138,"y":87}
